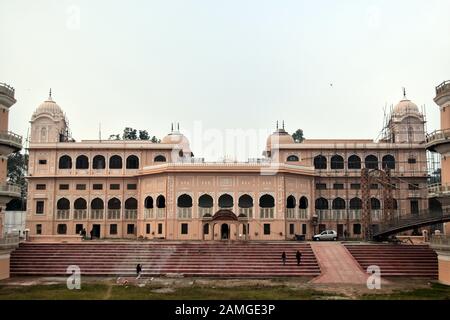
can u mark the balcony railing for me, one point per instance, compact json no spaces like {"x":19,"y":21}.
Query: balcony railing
{"x":203,"y":211}
{"x":130,"y":214}
{"x":248,"y":212}
{"x":7,"y":89}
{"x":160,"y":213}
{"x":80,"y":214}
{"x":438,"y":136}
{"x":303,"y":214}
{"x":148,"y":213}
{"x":10,"y":189}
{"x":9,"y":241}
{"x":290,"y":213}
{"x":438,"y":188}
{"x":184,"y":213}
{"x":97,"y":214}
{"x":266,"y":213}
{"x":113,"y":214}
{"x":62,"y":214}
{"x":11,"y":138}
{"x":440,"y":240}
{"x":443,"y":87}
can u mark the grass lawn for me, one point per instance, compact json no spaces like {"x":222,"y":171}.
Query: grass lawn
{"x":435,"y":292}
{"x":101,"y":291}
{"x":105,"y":291}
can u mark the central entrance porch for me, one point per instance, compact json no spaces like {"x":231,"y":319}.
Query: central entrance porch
{"x":225,"y":225}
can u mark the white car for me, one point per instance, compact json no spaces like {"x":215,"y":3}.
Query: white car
{"x":326,"y":235}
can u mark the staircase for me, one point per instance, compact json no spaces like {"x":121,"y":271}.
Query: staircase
{"x":190,"y":259}
{"x":397,"y":260}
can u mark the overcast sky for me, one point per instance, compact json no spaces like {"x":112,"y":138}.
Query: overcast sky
{"x":328,"y":67}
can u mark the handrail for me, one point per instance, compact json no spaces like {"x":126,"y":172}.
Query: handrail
{"x":6,"y":87}
{"x":440,"y":240}
{"x":443,"y":87}
{"x":9,"y":135}
{"x":13,"y":188}
{"x":9,"y":240}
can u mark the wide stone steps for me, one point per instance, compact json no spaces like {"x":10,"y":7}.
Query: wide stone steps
{"x":397,"y":260}
{"x":188,"y":259}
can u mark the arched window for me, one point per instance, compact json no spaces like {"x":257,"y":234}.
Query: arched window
{"x":205,"y":201}
{"x":410,"y":134}
{"x":63,"y":204}
{"x":355,"y":204}
{"x":99,"y":162}
{"x":80,"y":204}
{"x":184,"y":201}
{"x":97,"y":204}
{"x":160,"y":201}
{"x":132,"y":162}
{"x":160,"y":158}
{"x":43,"y":135}
{"x":354,"y":162}
{"x":114,"y":204}
{"x":337,"y":162}
{"x":320,"y":162}
{"x":266,"y":201}
{"x":292,"y":158}
{"x":338,"y":204}
{"x":131,"y":204}
{"x":388,"y":162}
{"x":394,"y":204}
{"x":303,"y":203}
{"x":148,"y":203}
{"x":245,"y":201}
{"x":375,"y":204}
{"x":115,"y":162}
{"x":371,"y":162}
{"x":321,"y":204}
{"x":82,"y":162}
{"x":65,"y":162}
{"x":226,"y":201}
{"x":290,"y":202}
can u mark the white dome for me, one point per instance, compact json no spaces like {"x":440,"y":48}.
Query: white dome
{"x":406,"y":106}
{"x":49,"y":107}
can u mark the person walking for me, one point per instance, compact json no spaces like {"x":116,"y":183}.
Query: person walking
{"x":138,"y":270}
{"x":283,"y":257}
{"x":298,"y":256}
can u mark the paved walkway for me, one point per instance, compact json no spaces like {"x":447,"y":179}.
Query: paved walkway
{"x":337,"y":264}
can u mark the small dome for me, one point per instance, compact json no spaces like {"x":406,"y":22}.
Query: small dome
{"x":406,"y":106}
{"x":49,"y":107}
{"x":175,"y":138}
{"x":279,"y":137}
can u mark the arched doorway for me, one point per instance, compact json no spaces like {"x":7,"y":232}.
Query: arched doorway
{"x":224,"y":231}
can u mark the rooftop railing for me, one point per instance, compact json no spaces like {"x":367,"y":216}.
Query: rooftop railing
{"x":438,"y":135}
{"x":10,"y":188}
{"x":7,"y":89}
{"x":443,"y":87}
{"x":11,"y":137}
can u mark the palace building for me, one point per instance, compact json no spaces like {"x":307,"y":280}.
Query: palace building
{"x":139,"y":189}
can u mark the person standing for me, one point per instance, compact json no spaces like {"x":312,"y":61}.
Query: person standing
{"x":92,"y":233}
{"x":298,"y":256}
{"x":138,"y":270}
{"x":283,"y":257}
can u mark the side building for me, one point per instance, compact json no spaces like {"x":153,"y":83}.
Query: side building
{"x":132,"y":189}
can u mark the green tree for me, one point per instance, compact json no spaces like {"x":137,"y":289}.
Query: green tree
{"x":155,"y":140}
{"x":143,"y":135}
{"x":114,"y":137}
{"x":17,"y":167}
{"x":129,"y":134}
{"x":298,"y":136}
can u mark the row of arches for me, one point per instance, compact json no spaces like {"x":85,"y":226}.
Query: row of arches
{"x":354,"y":162}
{"x":99,"y":162}
{"x":225,"y":201}
{"x":97,"y":204}
{"x":354,"y":204}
